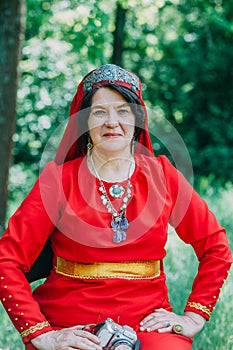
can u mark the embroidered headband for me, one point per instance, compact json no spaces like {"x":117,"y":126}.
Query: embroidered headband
{"x":111,"y":73}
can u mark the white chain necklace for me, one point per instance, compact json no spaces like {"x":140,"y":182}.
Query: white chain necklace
{"x":119,"y":222}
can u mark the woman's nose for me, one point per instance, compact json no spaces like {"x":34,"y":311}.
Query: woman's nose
{"x":112,"y":119}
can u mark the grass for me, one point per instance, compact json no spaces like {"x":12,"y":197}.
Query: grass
{"x":181,"y":266}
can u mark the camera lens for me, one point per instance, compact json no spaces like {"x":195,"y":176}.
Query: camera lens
{"x":121,"y":346}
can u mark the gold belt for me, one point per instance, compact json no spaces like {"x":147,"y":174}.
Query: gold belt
{"x":147,"y":269}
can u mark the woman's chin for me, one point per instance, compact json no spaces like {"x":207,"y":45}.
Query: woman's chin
{"x":113,"y":146}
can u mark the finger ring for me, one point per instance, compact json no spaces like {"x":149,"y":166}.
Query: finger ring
{"x":177,"y":328}
{"x":167,"y":323}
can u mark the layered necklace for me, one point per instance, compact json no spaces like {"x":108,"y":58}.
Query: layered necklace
{"x":119,"y":222}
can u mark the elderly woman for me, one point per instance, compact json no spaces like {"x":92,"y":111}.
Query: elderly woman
{"x":106,"y":202}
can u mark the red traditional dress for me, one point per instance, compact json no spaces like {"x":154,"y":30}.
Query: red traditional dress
{"x":65,"y":204}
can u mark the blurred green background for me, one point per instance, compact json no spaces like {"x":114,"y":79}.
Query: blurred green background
{"x":183,"y":53}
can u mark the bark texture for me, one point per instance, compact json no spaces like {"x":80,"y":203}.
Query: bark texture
{"x":12,"y":24}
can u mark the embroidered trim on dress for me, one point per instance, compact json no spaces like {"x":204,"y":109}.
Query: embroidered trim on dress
{"x":199,"y":306}
{"x":35,"y":328}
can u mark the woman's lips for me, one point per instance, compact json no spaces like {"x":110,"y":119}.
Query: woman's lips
{"x":111,"y":135}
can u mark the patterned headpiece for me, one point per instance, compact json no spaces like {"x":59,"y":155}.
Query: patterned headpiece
{"x":110,"y":73}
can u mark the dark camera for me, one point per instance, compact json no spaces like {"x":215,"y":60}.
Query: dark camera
{"x":112,"y":336}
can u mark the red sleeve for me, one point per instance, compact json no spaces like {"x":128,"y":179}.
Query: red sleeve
{"x":197,"y":225}
{"x":20,"y":245}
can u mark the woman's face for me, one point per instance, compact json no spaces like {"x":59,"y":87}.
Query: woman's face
{"x":111,"y":122}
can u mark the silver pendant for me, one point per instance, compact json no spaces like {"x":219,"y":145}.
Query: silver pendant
{"x":119,"y":236}
{"x":119,"y":225}
{"x":116,"y":191}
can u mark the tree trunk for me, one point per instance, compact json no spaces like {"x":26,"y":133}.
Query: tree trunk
{"x":12,"y":19}
{"x":118,"y":45}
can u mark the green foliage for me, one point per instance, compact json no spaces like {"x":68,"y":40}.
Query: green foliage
{"x":21,"y":180}
{"x":182,"y":50}
{"x":183,"y":53}
{"x":64,"y":42}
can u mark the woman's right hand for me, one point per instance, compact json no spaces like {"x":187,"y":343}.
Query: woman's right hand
{"x":67,"y":338}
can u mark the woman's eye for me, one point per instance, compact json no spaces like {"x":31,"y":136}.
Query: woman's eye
{"x":123,"y":111}
{"x":99,"y":113}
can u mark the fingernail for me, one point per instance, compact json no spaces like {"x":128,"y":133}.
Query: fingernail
{"x":148,"y":329}
{"x":141,"y":329}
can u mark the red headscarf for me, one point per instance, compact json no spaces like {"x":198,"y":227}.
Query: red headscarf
{"x":70,"y":146}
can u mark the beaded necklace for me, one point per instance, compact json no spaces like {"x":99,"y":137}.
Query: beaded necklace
{"x":119,"y":222}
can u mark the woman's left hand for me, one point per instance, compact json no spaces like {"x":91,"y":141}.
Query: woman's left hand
{"x":163,"y":321}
